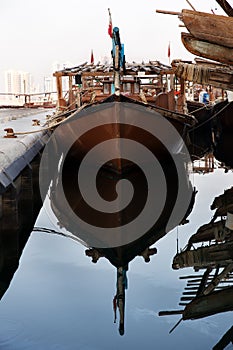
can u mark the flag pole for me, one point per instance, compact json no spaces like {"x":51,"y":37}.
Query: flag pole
{"x":169,"y":53}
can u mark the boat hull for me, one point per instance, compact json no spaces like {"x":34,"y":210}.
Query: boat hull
{"x":119,"y":129}
{"x":207,"y":50}
{"x":209,"y":27}
{"x":211,"y":304}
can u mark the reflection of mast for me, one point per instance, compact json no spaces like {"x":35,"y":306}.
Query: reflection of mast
{"x":119,"y":299}
{"x":225,"y":340}
{"x":122,"y":283}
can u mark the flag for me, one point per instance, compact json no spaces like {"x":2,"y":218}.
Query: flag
{"x":169,"y":50}
{"x":92,"y":57}
{"x":110,"y":24}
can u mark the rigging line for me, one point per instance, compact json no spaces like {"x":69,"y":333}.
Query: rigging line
{"x":53,"y":125}
{"x":177,"y":240}
{"x":176,"y":325}
{"x":207,"y":106}
{"x":212,"y":117}
{"x":48,"y":230}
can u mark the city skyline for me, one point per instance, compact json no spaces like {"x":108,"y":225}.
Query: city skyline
{"x":40,"y":33}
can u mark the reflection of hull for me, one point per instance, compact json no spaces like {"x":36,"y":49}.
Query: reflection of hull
{"x":214,"y":255}
{"x":200,"y":137}
{"x":214,"y":130}
{"x":206,"y":305}
{"x":223,"y":203}
{"x":113,"y":127}
{"x":223,"y":137}
{"x":207,"y":50}
{"x":208,"y":232}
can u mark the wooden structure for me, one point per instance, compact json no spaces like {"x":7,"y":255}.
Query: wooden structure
{"x":209,"y":27}
{"x":206,"y":294}
{"x":204,"y":165}
{"x":20,"y":200}
{"x":94,"y":82}
{"x":206,"y":49}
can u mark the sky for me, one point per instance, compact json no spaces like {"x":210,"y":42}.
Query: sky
{"x":35,"y":34}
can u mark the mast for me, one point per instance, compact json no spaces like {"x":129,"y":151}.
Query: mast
{"x":226,"y":7}
{"x":117,"y":55}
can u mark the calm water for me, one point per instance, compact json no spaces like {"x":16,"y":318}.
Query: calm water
{"x":59,"y":299}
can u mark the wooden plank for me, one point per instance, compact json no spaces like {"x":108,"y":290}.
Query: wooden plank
{"x":215,"y":302}
{"x":164,"y":12}
{"x":218,"y":279}
{"x":207,"y":50}
{"x":209,"y":27}
{"x":172,"y":312}
{"x":192,"y":276}
{"x":186,"y":298}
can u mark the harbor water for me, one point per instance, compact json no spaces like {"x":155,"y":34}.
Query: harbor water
{"x":59,"y":300}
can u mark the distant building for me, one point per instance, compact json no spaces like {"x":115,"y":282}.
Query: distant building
{"x":56,"y":66}
{"x":48,"y":84}
{"x":17,"y":83}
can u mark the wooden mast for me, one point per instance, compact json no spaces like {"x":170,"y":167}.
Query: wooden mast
{"x":226,"y":7}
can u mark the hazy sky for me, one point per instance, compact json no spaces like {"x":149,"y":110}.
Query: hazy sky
{"x":34,"y":34}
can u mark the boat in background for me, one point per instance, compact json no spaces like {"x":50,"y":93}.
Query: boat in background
{"x":206,"y":49}
{"x":209,"y":27}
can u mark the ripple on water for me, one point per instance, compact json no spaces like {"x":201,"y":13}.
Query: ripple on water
{"x":10,"y":331}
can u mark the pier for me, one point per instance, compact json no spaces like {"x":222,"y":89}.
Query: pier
{"x":20,"y":201}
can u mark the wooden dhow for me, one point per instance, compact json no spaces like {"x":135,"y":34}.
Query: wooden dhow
{"x":104,"y":93}
{"x":209,"y":27}
{"x":207,"y":50}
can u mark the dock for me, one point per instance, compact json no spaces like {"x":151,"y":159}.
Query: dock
{"x":22,"y":140}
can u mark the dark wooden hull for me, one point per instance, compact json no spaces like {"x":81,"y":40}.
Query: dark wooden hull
{"x":214,"y":255}
{"x":208,"y":232}
{"x":223,"y":128}
{"x":211,"y":304}
{"x":113,"y":128}
{"x":114,"y":171}
{"x":207,"y":50}
{"x":209,"y":27}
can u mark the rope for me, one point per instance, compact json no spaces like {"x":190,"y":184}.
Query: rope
{"x":212,"y":117}
{"x":199,"y":109}
{"x":48,"y":230}
{"x":191,"y":72}
{"x":54,"y":125}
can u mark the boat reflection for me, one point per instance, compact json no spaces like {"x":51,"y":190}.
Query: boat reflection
{"x":121,"y":284}
{"x":209,"y":249}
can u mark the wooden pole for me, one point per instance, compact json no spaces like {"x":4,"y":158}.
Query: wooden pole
{"x":168,"y":12}
{"x":218,"y":279}
{"x":172,"y":312}
{"x":226,"y":7}
{"x":176,"y":325}
{"x":190,"y":5}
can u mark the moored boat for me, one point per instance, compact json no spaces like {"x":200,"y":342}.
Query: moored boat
{"x":207,"y":49}
{"x":209,"y":27}
{"x":116,"y":123}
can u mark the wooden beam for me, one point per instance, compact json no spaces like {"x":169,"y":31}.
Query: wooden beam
{"x":172,"y":312}
{"x":226,"y":7}
{"x":190,"y":5}
{"x":168,"y":12}
{"x":218,"y":279}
